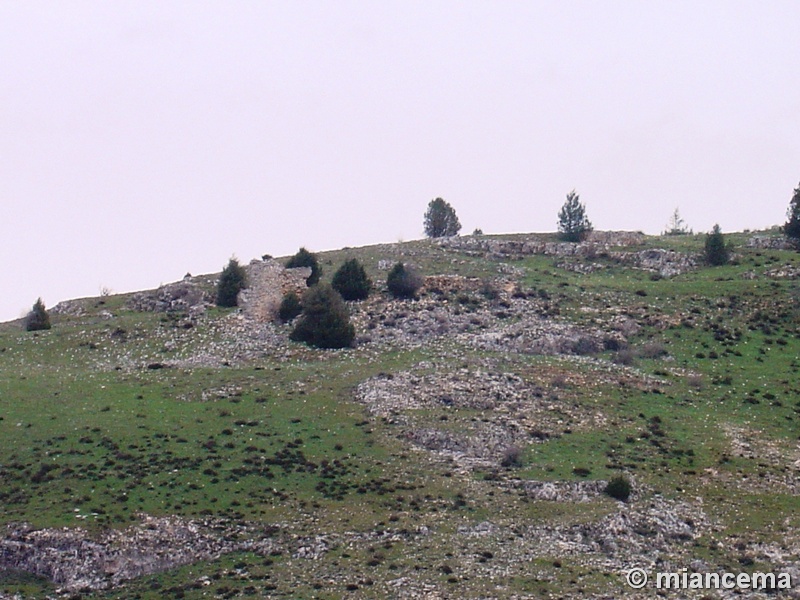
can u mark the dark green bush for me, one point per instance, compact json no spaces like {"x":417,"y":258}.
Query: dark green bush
{"x":290,"y":307}
{"x":792,"y":227}
{"x":37,"y":319}
{"x":573,"y":224}
{"x":304,"y":258}
{"x":619,"y":488}
{"x":351,"y":281}
{"x":324,"y":322}
{"x":232,"y":280}
{"x":441,"y":219}
{"x":403,"y":282}
{"x":716,"y":252}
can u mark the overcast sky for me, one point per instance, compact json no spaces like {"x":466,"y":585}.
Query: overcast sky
{"x":143,"y":140}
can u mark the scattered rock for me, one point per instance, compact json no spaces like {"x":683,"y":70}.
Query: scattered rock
{"x":770,"y":242}
{"x":72,"y":308}
{"x":77,"y":560}
{"x":784,"y":272}
{"x":564,"y":491}
{"x":179,"y":296}
{"x":667,"y":263}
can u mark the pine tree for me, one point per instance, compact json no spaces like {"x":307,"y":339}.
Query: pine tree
{"x":572,"y":221}
{"x":403,"y":282}
{"x":716,"y":252}
{"x":37,"y":319}
{"x":792,"y":227}
{"x":351,"y":281}
{"x":290,"y":307}
{"x":304,"y":258}
{"x":441,"y":219}
{"x":325,"y":322}
{"x":677,"y":226}
{"x":232,"y":280}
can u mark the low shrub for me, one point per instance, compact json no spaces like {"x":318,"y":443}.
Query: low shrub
{"x":304,"y":258}
{"x":351,"y":281}
{"x":324,"y":322}
{"x":619,"y":488}
{"x":37,"y":319}
{"x":403,"y":282}
{"x":232,"y":280}
{"x":624,"y":357}
{"x":652,"y":350}
{"x":290,"y":307}
{"x":512,"y":457}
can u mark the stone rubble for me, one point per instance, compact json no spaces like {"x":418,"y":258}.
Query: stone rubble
{"x":770,"y":242}
{"x":72,"y":308}
{"x":516,"y":249}
{"x":75,"y":559}
{"x":513,"y":412}
{"x":564,"y":491}
{"x":666,"y":263}
{"x":182,"y":295}
{"x":784,"y":272}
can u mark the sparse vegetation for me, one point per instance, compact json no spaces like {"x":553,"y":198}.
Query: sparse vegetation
{"x":652,"y":349}
{"x":677,"y":226}
{"x":512,"y":457}
{"x":625,"y":356}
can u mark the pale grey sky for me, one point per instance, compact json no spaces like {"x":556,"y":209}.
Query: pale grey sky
{"x":141,"y":140}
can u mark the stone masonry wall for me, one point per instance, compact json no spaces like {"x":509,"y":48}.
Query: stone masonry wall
{"x":268,"y":281}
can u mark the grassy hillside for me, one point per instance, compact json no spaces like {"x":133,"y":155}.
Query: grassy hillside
{"x":459,"y":450}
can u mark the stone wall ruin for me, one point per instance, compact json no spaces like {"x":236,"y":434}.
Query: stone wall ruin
{"x":267,"y":282}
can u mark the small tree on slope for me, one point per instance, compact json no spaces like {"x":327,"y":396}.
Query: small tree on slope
{"x":232,"y":280}
{"x":304,"y":258}
{"x":716,"y":253}
{"x":290,"y":307}
{"x":677,"y":226}
{"x":572,"y":221}
{"x":403,"y":282}
{"x":792,"y":227}
{"x":351,"y":281}
{"x":441,"y":219}
{"x":325,"y":322}
{"x":37,"y":319}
